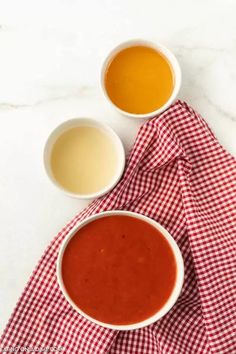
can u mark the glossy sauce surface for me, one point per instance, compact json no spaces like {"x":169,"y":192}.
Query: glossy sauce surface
{"x":139,"y":80}
{"x":119,"y":269}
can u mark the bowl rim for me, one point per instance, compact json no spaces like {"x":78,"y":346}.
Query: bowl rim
{"x":76,"y":122}
{"x":167,"y":53}
{"x":179,"y":263}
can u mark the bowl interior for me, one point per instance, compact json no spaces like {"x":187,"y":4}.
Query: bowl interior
{"x":79,"y":122}
{"x":179,"y":278}
{"x":174,"y":65}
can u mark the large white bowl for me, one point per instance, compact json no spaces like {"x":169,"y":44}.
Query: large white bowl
{"x":179,"y":278}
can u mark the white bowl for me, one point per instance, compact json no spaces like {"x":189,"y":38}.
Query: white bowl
{"x":176,"y":71}
{"x":78,"y":122}
{"x":179,"y":278}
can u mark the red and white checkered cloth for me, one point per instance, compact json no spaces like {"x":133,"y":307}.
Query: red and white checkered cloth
{"x":179,"y":175}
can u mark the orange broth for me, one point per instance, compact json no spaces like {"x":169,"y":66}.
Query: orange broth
{"x":139,"y":80}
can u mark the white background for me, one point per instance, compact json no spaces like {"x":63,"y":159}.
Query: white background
{"x":50,"y":57}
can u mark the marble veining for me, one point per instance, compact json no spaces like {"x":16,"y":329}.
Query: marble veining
{"x":51,"y":53}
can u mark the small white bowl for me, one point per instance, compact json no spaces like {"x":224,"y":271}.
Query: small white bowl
{"x":179,"y":264}
{"x":176,"y":71}
{"x":78,"y":122}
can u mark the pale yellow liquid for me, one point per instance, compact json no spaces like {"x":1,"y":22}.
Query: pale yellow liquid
{"x":84,"y":160}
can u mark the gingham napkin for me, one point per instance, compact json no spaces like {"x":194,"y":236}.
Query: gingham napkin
{"x":179,"y":175}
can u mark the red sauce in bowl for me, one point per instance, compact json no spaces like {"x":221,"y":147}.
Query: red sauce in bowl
{"x":119,"y":269}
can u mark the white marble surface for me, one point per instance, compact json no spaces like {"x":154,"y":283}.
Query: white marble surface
{"x":50,"y":57}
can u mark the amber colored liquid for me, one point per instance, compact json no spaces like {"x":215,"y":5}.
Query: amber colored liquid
{"x":139,"y":80}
